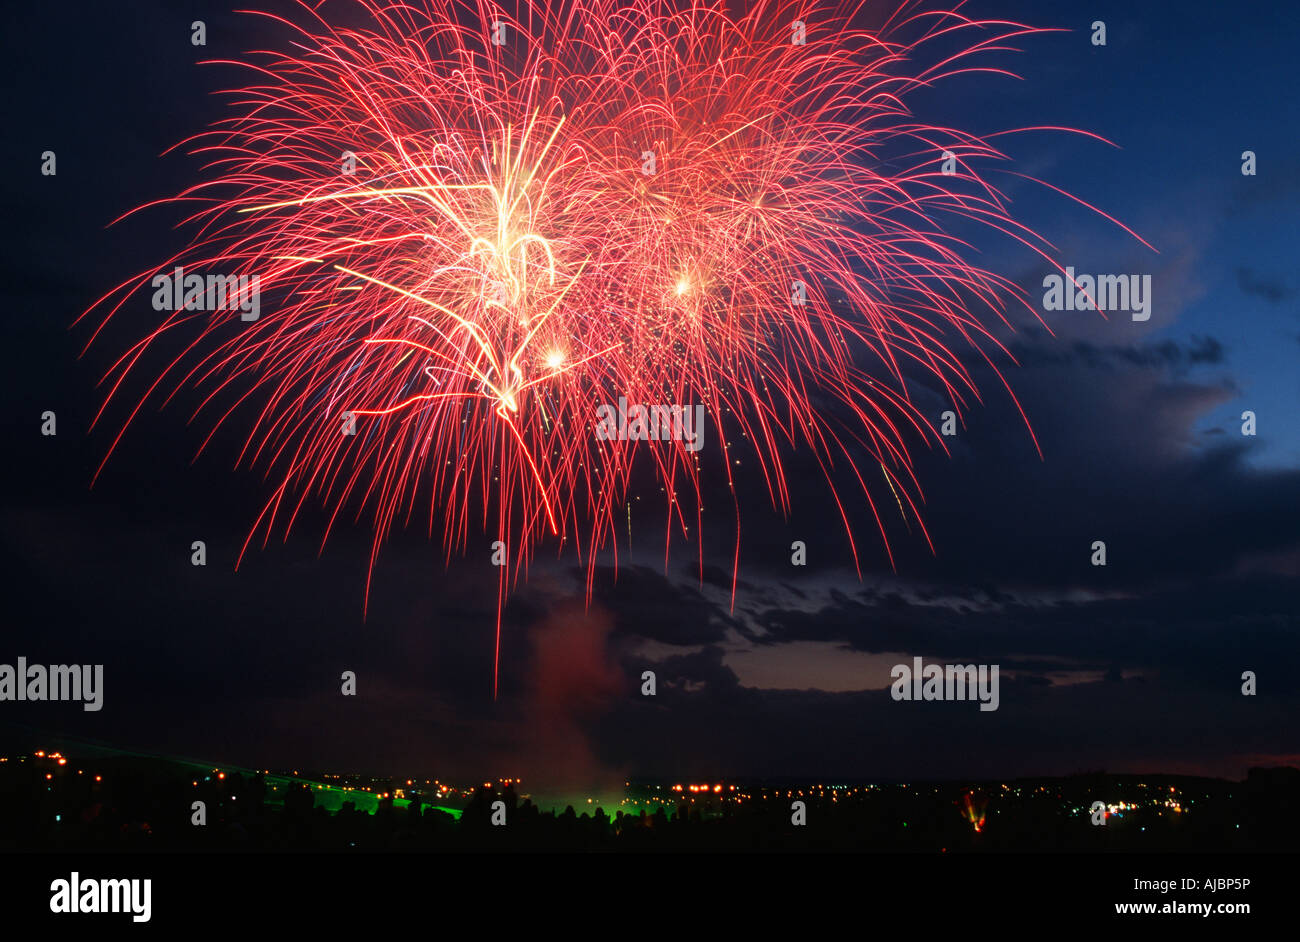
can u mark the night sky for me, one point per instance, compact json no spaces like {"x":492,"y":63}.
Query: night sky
{"x":1132,"y":667}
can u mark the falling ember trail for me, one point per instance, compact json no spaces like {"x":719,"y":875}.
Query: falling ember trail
{"x":889,"y":480}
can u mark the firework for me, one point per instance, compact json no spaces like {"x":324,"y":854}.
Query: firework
{"x":470,"y":227}
{"x":973,"y":808}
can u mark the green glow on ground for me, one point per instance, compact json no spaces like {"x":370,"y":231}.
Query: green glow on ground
{"x":332,"y":798}
{"x":329,"y":797}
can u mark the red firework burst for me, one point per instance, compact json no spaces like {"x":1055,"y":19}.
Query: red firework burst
{"x":473,"y":226}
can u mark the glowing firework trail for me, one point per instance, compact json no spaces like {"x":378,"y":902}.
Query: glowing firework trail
{"x":473,"y":226}
{"x":973,"y":810}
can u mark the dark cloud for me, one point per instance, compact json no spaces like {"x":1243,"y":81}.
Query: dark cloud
{"x":1269,"y":287}
{"x":1167,"y":354}
{"x":652,"y":607}
{"x":714,"y":729}
{"x":1167,"y":627}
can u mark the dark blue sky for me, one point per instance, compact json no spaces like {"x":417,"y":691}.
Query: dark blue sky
{"x":1132,"y":667}
{"x":1182,"y":89}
